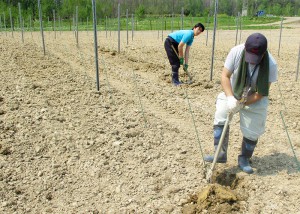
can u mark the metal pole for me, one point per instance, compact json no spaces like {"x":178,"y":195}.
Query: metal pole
{"x":30,"y":26}
{"x":119,"y":26}
{"x":87,"y":24}
{"x":280,"y":35}
{"x":54,"y":27}
{"x":132,"y":24}
{"x":96,"y":43}
{"x":41,"y":25}
{"x":157,"y":29}
{"x":109,"y":24}
{"x":77,"y":25}
{"x":298,"y":64}
{"x":59,"y":23}
{"x":5,"y":24}
{"x":11,"y":24}
{"x":21,"y":26}
{"x":73,"y":26}
{"x":214,"y":39}
{"x":127,"y":24}
{"x":106,"y":26}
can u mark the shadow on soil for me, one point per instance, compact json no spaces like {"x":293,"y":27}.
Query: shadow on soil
{"x":274,"y":163}
{"x":268,"y":165}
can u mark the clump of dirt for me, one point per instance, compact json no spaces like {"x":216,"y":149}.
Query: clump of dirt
{"x":214,"y":199}
{"x":226,"y":194}
{"x":226,"y":178}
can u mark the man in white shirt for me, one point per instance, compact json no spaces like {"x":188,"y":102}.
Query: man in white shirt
{"x":248,"y":72}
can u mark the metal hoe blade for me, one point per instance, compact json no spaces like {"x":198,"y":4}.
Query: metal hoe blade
{"x":210,"y":172}
{"x":190,"y":78}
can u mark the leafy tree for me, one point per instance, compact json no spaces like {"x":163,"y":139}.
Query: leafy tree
{"x":276,"y":9}
{"x":140,"y":12}
{"x":66,"y":8}
{"x":288,"y":9}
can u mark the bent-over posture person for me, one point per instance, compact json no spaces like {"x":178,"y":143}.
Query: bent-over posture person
{"x":174,"y":44}
{"x":248,"y":72}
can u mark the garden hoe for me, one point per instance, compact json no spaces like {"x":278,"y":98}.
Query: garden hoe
{"x":210,"y":172}
{"x":190,"y":77}
{"x":242,"y":102}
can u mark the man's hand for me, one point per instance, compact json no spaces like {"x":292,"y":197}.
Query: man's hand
{"x":185,"y":67}
{"x":233,"y":104}
{"x":181,"y":60}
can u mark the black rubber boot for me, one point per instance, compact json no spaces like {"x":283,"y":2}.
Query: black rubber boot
{"x":248,"y":147}
{"x":175,"y":77}
{"x":222,"y":158}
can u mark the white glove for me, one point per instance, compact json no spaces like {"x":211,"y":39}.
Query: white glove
{"x":233,"y":104}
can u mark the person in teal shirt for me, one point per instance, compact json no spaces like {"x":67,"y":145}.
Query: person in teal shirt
{"x":174,"y":44}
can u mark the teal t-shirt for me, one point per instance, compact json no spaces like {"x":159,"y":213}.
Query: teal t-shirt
{"x":185,"y":36}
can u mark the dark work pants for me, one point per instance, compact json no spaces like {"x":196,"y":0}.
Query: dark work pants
{"x":173,"y":58}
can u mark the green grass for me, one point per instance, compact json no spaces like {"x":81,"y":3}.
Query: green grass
{"x":163,"y":23}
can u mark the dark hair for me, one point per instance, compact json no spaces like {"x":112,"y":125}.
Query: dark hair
{"x":199,"y":25}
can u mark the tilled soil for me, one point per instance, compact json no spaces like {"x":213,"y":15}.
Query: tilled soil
{"x":136,"y":145}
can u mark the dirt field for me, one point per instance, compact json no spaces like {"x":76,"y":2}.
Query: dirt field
{"x":133,"y":147}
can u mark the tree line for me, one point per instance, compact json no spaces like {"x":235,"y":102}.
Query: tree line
{"x":142,"y":8}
